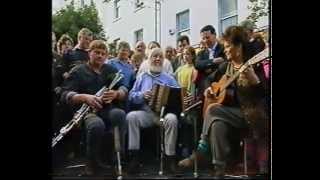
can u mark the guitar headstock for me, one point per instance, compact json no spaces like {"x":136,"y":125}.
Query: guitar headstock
{"x":255,"y":59}
{"x":259,"y":57}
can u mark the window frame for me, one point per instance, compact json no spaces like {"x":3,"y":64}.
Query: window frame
{"x":116,"y":14}
{"x":229,"y":15}
{"x":178,"y":15}
{"x":136,"y":33}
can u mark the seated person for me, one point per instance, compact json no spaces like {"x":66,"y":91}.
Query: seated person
{"x":144,"y":117}
{"x":81,"y":86}
{"x":222,"y":125}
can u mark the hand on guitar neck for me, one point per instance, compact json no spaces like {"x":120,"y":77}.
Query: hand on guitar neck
{"x":250,"y":75}
{"x":208,"y":93}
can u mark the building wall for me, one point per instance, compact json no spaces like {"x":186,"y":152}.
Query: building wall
{"x":130,"y":20}
{"x":201,"y":13}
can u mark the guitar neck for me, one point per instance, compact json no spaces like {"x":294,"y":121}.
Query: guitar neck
{"x":257,"y":58}
{"x":230,"y":80}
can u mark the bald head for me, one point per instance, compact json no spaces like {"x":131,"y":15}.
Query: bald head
{"x":140,"y":47}
{"x":169,"y":52}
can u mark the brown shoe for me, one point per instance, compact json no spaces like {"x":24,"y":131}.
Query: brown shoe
{"x":189,"y":162}
{"x":186,"y":163}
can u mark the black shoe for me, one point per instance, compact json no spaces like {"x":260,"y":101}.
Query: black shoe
{"x":102,"y":166}
{"x":134,"y":164}
{"x":219,"y":171}
{"x":171,"y":165}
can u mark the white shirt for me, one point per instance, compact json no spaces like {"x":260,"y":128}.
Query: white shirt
{"x":212,"y":50}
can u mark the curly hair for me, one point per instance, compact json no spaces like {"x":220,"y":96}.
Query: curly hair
{"x":192,"y":51}
{"x":237,"y":36}
{"x":63,"y":39}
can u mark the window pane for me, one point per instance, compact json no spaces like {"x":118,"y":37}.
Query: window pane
{"x":228,"y":22}
{"x":116,"y":8}
{"x":139,"y":35}
{"x":227,"y":7}
{"x":183,"y":21}
{"x":117,"y":12}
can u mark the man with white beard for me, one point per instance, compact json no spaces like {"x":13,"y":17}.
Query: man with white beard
{"x":144,"y":117}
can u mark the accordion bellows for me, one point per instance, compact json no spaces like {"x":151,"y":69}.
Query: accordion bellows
{"x":165,"y":96}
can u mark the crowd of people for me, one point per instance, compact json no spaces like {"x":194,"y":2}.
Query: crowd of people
{"x":79,"y":71}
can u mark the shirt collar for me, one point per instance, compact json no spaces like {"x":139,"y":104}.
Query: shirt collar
{"x":152,"y":74}
{"x":77,"y":48}
{"x":214,"y":46}
{"x":122,"y":62}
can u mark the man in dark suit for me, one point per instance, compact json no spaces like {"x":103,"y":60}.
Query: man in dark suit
{"x":208,"y":59}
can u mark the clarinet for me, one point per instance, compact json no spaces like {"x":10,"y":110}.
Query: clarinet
{"x":84,"y":110}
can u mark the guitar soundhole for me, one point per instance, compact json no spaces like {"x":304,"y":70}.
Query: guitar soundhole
{"x":217,"y":93}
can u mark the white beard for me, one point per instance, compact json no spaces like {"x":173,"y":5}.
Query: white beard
{"x":155,"y":69}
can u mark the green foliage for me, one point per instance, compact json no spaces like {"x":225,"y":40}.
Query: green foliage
{"x":70,"y":20}
{"x":259,"y":8}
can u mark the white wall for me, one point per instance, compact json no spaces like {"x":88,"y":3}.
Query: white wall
{"x":201,"y":13}
{"x":130,"y":21}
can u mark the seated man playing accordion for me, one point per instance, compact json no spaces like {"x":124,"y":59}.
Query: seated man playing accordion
{"x":144,"y":117}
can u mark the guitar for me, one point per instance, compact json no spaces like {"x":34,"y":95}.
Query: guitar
{"x":219,"y":92}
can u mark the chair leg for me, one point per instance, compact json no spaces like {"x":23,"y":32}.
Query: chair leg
{"x":245,"y":165}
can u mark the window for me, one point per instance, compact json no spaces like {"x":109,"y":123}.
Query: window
{"x":183,"y":23}
{"x":138,"y":35}
{"x":116,"y":9}
{"x":227,"y":14}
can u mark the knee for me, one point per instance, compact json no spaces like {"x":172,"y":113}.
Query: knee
{"x":213,"y":107}
{"x":131,"y":118}
{"x":117,"y":116}
{"x":218,"y":127}
{"x":95,"y":124}
{"x":171,"y":120}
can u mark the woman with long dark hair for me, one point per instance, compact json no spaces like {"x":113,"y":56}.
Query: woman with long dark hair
{"x":224,"y":124}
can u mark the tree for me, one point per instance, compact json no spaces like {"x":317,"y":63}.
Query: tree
{"x":70,"y":20}
{"x":259,"y":9}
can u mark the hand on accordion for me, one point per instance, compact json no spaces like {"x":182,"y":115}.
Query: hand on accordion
{"x":147,"y":95}
{"x":187,"y":100}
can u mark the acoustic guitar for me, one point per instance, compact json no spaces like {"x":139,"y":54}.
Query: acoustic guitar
{"x":219,"y":92}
